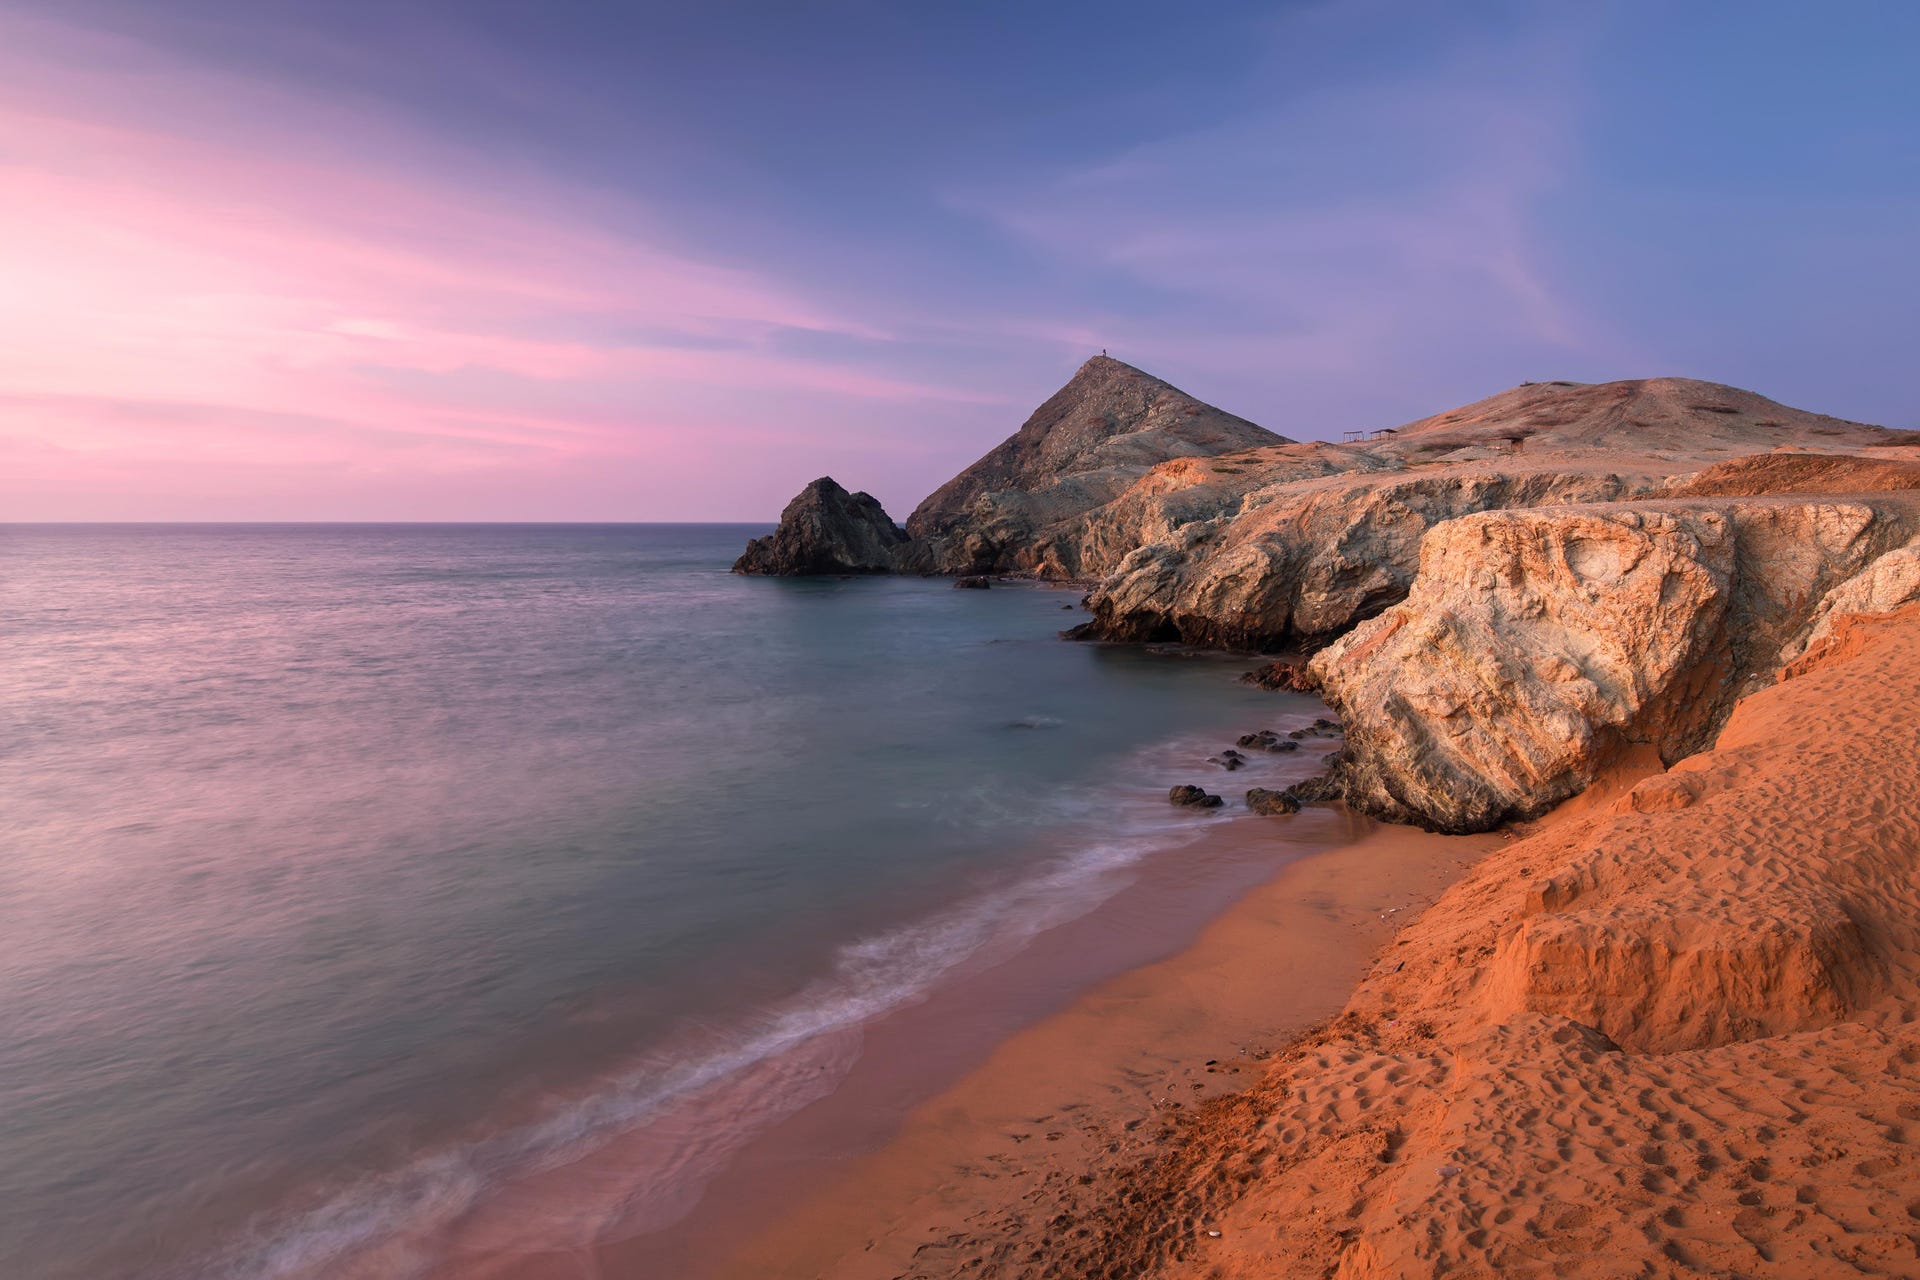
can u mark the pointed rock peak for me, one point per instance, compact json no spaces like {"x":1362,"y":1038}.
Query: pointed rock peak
{"x":825,"y":489}
{"x":1105,"y":366}
{"x":824,"y":530}
{"x":1110,"y":419}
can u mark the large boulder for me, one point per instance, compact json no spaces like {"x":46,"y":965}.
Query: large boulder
{"x":1535,"y":644}
{"x":826,"y":530}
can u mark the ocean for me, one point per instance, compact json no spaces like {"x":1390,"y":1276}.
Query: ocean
{"x":355,"y":878}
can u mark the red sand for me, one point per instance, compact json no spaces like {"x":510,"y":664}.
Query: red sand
{"x":1671,"y":1033}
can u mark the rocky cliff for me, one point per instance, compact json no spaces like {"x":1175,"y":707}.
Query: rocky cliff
{"x":1536,"y":646}
{"x":825,"y":529}
{"x":1315,"y":538}
{"x":1514,"y":593}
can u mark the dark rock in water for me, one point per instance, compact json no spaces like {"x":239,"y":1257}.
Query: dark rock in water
{"x":1283,"y":675}
{"x":975,"y":583}
{"x":1261,"y":800}
{"x":1228,"y":762}
{"x":1267,"y":740}
{"x":1066,"y":606}
{"x":1324,"y":787}
{"x":826,"y":530}
{"x":1193,"y":797}
{"x":1329,"y":726}
{"x":1234,"y":754}
{"x":1084,"y":631}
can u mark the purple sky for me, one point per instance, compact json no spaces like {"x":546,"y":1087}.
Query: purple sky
{"x":466,"y":259}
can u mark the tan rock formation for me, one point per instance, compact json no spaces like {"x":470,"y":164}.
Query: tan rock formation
{"x":1304,"y":560}
{"x":1558,"y":615}
{"x":1083,"y":448}
{"x":1537,"y":644}
{"x":1889,"y":582}
{"x":1311,"y":539}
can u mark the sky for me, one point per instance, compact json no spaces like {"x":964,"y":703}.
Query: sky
{"x":573,"y":260}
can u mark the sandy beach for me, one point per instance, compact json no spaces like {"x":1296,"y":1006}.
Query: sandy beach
{"x":1665,"y":1031}
{"x":1111,"y":1079}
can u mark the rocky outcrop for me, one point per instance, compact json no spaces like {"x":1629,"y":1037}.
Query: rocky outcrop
{"x":1890,"y":582}
{"x":827,"y":530}
{"x":1215,"y":531}
{"x":1282,"y":675}
{"x":1264,"y":800}
{"x":1083,"y":448}
{"x":1308,"y":540}
{"x":1536,"y":644}
{"x":1305,"y":561}
{"x":1514,"y":590}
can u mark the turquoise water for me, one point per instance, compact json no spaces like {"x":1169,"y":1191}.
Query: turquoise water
{"x":353,"y":873}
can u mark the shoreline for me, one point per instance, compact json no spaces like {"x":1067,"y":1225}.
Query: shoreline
{"x":1105,"y":1080}
{"x":659,"y":1199}
{"x":1509,"y":1087}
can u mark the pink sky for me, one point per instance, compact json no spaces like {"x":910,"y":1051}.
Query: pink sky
{"x":475,"y":261}
{"x":250,"y":320}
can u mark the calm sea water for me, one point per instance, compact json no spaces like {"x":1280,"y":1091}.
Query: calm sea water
{"x":351,"y":874}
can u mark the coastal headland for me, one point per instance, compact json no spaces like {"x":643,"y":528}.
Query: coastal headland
{"x":1642,"y":657}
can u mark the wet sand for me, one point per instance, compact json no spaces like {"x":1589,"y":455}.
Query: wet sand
{"x":1096,"y":1084}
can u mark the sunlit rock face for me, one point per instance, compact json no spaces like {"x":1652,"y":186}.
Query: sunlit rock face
{"x":1536,"y":644}
{"x":1018,"y":508}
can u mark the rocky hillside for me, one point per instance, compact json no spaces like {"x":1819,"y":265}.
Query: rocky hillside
{"x":1509,"y":596}
{"x":1024,"y":507}
{"x":1087,"y":445}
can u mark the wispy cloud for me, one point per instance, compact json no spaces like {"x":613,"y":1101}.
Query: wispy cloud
{"x":254,"y":276}
{"x":1328,"y":229}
